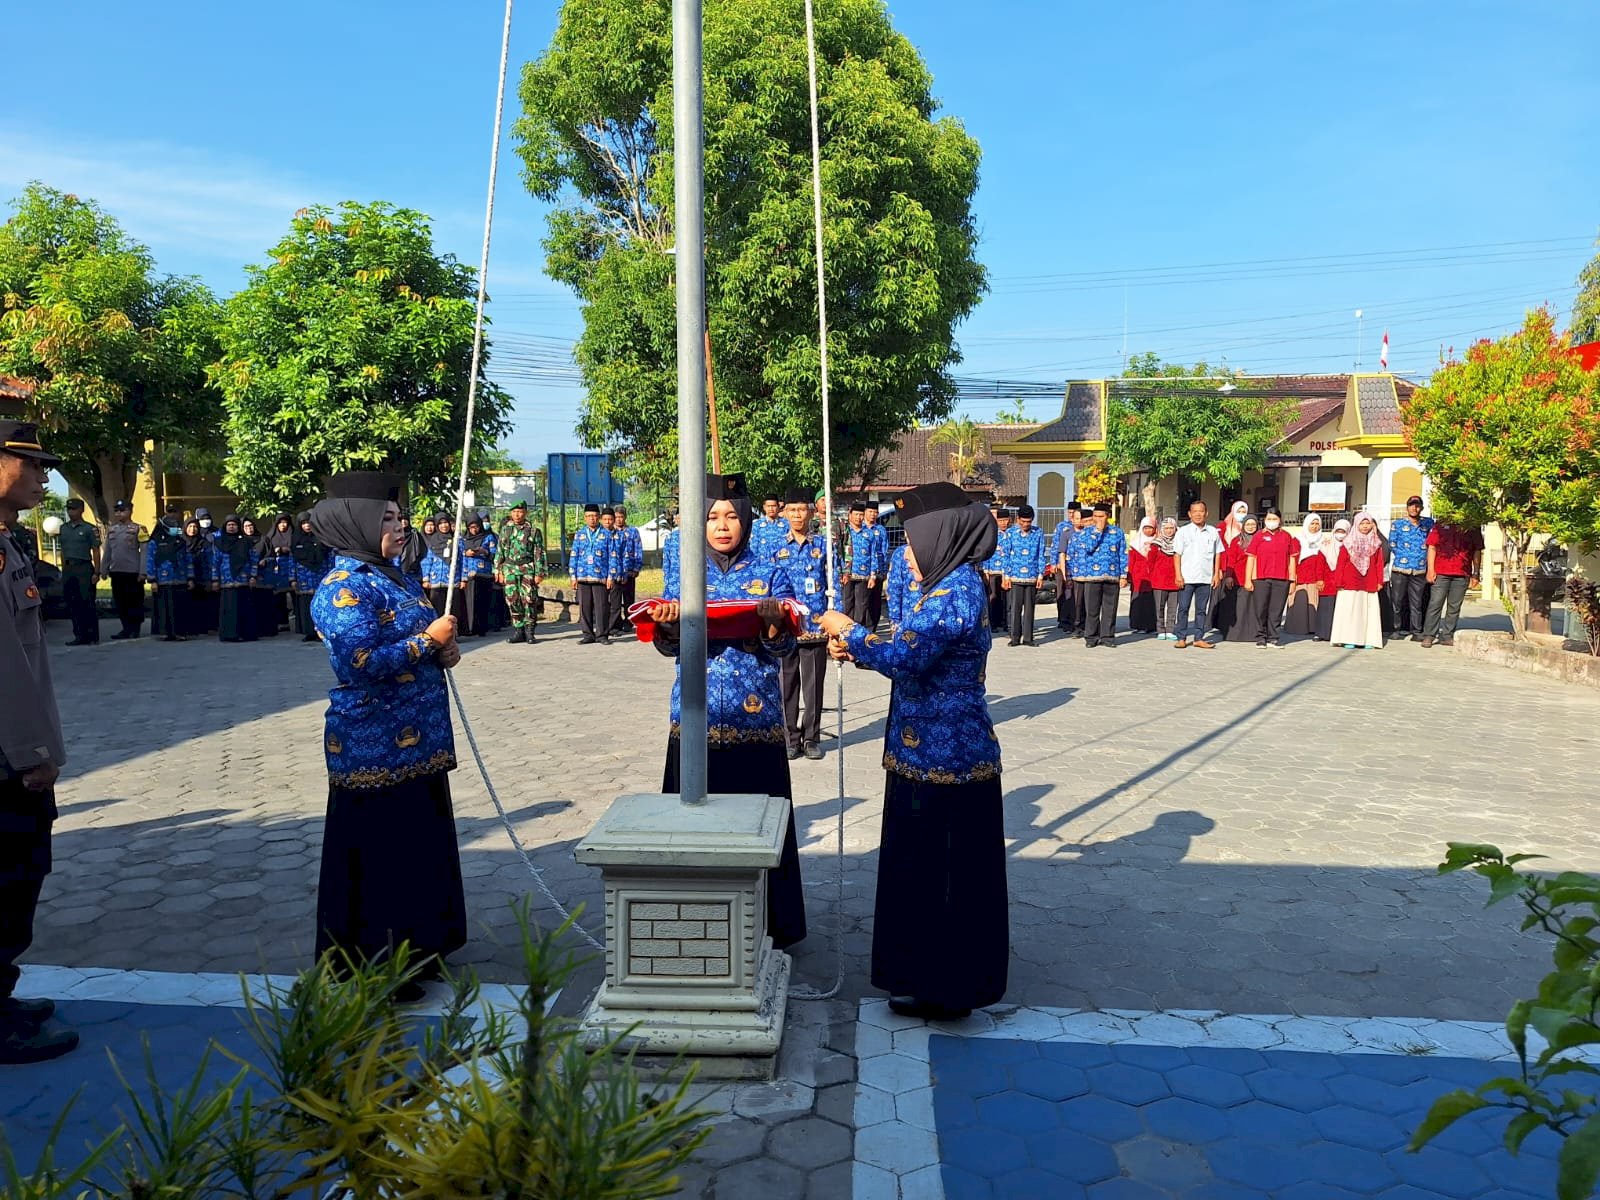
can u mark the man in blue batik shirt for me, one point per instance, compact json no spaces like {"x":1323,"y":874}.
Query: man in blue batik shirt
{"x":1408,"y":578}
{"x":1069,"y":600}
{"x":589,"y":563}
{"x":1023,"y":561}
{"x":803,"y":557}
{"x":770,"y":530}
{"x":878,"y":542}
{"x":993,"y":569}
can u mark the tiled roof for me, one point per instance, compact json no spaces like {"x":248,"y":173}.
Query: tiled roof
{"x":1380,"y":407}
{"x":1079,"y":420}
{"x":13,"y":388}
{"x":1314,"y":410}
{"x":916,"y":462}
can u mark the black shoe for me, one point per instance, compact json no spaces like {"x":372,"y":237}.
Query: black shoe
{"x":410,"y":992}
{"x":793,"y":752}
{"x":79,"y":642}
{"x":15,"y":1010}
{"x":812,"y":751}
{"x":29,"y":1043}
{"x":1028,"y":642}
{"x":907,"y":1006}
{"x":605,"y":641}
{"x":310,"y":637}
{"x":586,"y":640}
{"x":517,"y":638}
{"x":121,"y":637}
{"x":1013,"y":642}
{"x":529,"y":638}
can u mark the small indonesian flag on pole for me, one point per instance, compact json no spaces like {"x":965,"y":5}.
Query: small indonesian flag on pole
{"x":1383,"y":352}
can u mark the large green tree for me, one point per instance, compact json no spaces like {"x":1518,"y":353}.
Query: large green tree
{"x":596,"y":140}
{"x":1510,"y":436}
{"x":351,"y":349}
{"x":1169,"y":419}
{"x":116,"y":353}
{"x":1585,"y":325}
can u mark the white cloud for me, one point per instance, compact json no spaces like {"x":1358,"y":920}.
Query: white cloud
{"x":169,"y":197}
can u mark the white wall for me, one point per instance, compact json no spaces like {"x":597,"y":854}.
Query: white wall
{"x":1065,"y":470}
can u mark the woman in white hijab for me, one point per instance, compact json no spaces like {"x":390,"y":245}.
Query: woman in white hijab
{"x":1330,"y":581}
{"x":1310,"y":572}
{"x":1357,"y":622}
{"x":1141,"y":596}
{"x":1229,"y":602}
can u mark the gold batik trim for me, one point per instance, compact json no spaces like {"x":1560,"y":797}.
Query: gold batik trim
{"x":376,"y":777}
{"x":729,"y":735}
{"x":984,"y":770}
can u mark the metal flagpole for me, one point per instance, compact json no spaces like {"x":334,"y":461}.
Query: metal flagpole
{"x":688,"y":114}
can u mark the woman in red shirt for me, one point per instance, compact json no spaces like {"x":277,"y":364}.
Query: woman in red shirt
{"x":1357,"y":620}
{"x":1141,"y":596}
{"x":1309,"y":573}
{"x":1164,"y":582}
{"x":1236,"y":565}
{"x":1271,"y":561}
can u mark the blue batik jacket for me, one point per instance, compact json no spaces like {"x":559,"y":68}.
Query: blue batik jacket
{"x":388,"y":720}
{"x":669,"y":555}
{"x":805,"y":563}
{"x":1061,"y":540}
{"x":1024,"y":559}
{"x":995,"y":564}
{"x":630,"y":550}
{"x":743,"y":700}
{"x":307,"y":577}
{"x":222,"y":572}
{"x":1408,"y":543}
{"x":880,"y":550}
{"x":592,"y":558}
{"x":275,"y":571}
{"x":1098,"y":555}
{"x":176,"y":571}
{"x":479,"y":563}
{"x":767,"y":537}
{"x":937,"y":654}
{"x":899,"y":589}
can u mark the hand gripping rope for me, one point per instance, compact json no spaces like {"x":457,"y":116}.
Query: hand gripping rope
{"x":799,"y":993}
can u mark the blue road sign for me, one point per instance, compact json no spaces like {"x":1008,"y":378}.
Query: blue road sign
{"x":583,"y":479}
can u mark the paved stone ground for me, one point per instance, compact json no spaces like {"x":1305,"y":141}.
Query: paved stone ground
{"x":1245,"y":831}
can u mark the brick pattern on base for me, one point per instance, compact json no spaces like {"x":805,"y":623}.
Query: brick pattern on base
{"x":682,"y":939}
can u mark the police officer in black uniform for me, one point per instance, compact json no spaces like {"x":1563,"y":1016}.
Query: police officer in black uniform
{"x":31,"y":752}
{"x":80,"y":567}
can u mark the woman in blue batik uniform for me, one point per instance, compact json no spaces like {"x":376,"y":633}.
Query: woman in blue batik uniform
{"x":202,"y":606}
{"x":233,"y":566}
{"x":477,"y":549}
{"x":310,"y":564}
{"x":744,"y":704}
{"x":391,"y":872}
{"x":278,"y":566}
{"x":170,"y":570}
{"x":940,"y":940}
{"x":263,"y":589}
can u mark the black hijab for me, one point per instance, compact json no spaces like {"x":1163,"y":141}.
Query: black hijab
{"x":261,"y":540}
{"x":199,"y":540}
{"x":436,"y":540}
{"x":946,"y":530}
{"x":730,"y":488}
{"x":305,"y":547}
{"x":281,"y":541}
{"x":353,"y":527}
{"x":235,"y":545}
{"x":168,"y":541}
{"x":416,"y":545}
{"x":474,"y":541}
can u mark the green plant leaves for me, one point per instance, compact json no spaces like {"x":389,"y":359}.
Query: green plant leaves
{"x":1446,"y":1111}
{"x":1578,"y":1168}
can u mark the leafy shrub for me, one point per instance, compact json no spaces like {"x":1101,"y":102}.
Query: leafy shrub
{"x":1583,"y":602}
{"x":1553,"y":1089}
{"x":353,"y":1097}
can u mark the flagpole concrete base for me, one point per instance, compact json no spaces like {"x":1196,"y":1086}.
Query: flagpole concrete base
{"x":691,"y":975}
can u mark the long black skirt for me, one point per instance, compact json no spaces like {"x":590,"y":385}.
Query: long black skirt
{"x":940,"y":931}
{"x":757,"y":769}
{"x":1301,"y":618}
{"x":303,"y":623}
{"x":1244,"y":620}
{"x":476,"y":601}
{"x":236,"y":616}
{"x":202,"y":611}
{"x":1324,"y":626}
{"x":1142,"y":611}
{"x":391,"y":872}
{"x":264,"y":609}
{"x":171,"y":615}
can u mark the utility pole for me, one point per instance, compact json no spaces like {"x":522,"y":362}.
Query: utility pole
{"x":688,"y":116}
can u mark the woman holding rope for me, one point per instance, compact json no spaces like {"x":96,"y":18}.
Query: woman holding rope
{"x":391,"y":871}
{"x":940,"y":942}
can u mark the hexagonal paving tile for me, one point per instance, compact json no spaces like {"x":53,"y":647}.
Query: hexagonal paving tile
{"x":1127,"y":1084}
{"x":1049,"y":1080}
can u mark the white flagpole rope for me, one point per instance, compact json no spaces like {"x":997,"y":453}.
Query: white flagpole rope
{"x":827,"y":487}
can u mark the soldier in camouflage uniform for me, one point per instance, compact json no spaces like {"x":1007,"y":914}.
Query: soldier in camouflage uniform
{"x":519,"y":564}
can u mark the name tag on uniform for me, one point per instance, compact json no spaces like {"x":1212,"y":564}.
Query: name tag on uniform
{"x":811,"y":587}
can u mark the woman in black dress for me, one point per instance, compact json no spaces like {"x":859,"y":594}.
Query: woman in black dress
{"x":233,"y":566}
{"x":940,"y":938}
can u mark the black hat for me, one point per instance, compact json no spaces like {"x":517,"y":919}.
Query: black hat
{"x":772,"y":497}
{"x":1086,"y":511}
{"x":22,"y":439}
{"x":1025,"y":510}
{"x":202,"y":512}
{"x":363,"y":485}
{"x":797,"y":495}
{"x":74,"y":502}
{"x":516,"y":504}
{"x":1103,"y":507}
{"x":1417,"y":500}
{"x":930,"y":497}
{"x":591,"y":508}
{"x":725,"y":487}
{"x":608,"y":511}
{"x":120,"y":506}
{"x":859,"y":506}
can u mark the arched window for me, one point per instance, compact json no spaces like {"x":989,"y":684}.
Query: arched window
{"x":1407,"y":483}
{"x":1052,"y":490}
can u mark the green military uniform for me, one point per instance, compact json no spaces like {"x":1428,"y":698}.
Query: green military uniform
{"x":79,"y":540}
{"x":519,"y":560}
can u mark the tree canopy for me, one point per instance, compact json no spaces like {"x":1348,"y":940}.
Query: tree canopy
{"x":1585,"y":325}
{"x":595,"y":138}
{"x":1190,"y":426}
{"x":351,"y":349}
{"x":1510,"y":436}
{"x":116,"y":354}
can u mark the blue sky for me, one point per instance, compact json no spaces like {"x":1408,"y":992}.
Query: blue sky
{"x":1229,"y":181}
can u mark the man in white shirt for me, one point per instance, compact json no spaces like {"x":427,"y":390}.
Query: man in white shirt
{"x":1198,"y":548}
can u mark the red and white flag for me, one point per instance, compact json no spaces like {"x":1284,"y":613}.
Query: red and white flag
{"x":1383,"y":352}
